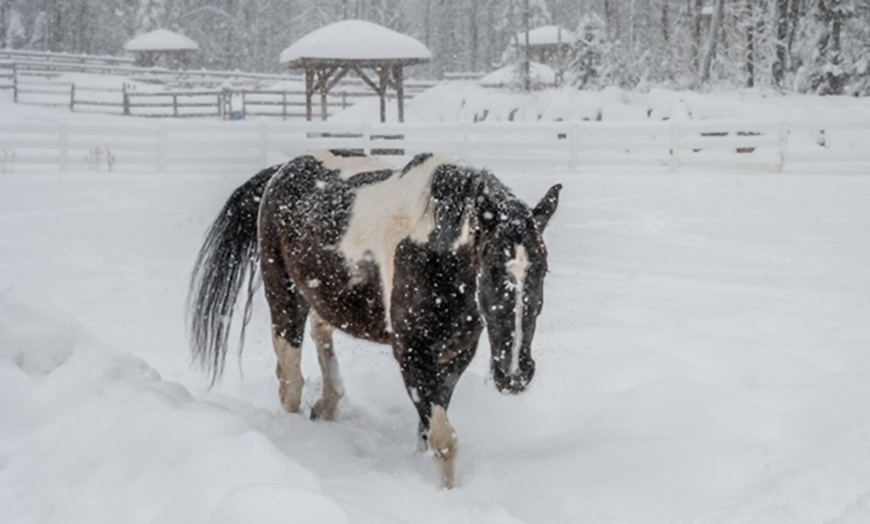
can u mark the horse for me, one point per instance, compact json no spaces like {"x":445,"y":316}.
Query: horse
{"x":419,"y":258}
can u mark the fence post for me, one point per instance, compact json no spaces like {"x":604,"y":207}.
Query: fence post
{"x":64,"y":147}
{"x":284,"y":105}
{"x":125,"y":99}
{"x":162,"y":145}
{"x":783,"y":144}
{"x":264,"y":143}
{"x":15,"y":82}
{"x":72,"y":96}
{"x":175,"y":104}
{"x":573,"y":146}
{"x":675,"y":148}
{"x":367,"y":139}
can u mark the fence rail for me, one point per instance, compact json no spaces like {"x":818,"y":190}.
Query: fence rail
{"x":41,"y":86}
{"x":186,"y":146}
{"x":226,"y":103}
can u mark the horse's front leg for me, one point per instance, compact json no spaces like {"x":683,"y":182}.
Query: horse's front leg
{"x":430,"y":378}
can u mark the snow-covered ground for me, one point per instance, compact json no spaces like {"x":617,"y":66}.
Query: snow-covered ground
{"x":703,"y":357}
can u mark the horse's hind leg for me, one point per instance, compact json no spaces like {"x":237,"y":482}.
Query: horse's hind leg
{"x":289,"y":311}
{"x":333,"y":390}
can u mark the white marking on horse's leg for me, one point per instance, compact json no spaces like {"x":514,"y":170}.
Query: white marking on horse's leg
{"x":444,"y":444}
{"x":333,"y":387}
{"x":289,"y":371}
{"x":517,"y":268}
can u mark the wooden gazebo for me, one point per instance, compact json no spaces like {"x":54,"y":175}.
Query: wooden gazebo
{"x":549,"y":44}
{"x":374,"y":53}
{"x":148,"y":48}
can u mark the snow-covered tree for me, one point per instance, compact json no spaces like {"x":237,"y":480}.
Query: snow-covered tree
{"x":587,"y":67}
{"x":39,"y":34}
{"x":151,"y":15}
{"x":826,"y":64}
{"x":15,"y":36}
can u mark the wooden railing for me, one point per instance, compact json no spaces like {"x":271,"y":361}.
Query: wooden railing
{"x":185,"y":92}
{"x":584,"y":147}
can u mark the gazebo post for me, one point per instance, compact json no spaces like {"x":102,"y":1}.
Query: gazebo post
{"x":384,"y":77}
{"x":399,"y":83}
{"x":309,"y":92}
{"x":322,"y":77}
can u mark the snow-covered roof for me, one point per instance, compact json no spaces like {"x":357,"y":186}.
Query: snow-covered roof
{"x":161,"y":40}
{"x":355,"y":40}
{"x":539,"y":73}
{"x":546,"y":35}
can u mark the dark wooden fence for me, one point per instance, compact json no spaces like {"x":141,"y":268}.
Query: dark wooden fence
{"x":34,"y":79}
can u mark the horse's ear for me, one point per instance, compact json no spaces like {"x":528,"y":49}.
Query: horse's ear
{"x":546,"y":207}
{"x":485,"y":209}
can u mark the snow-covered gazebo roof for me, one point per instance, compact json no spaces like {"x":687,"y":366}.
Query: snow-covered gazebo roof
{"x":355,"y":40}
{"x":328,"y":54}
{"x":161,"y":40}
{"x":548,"y":35}
{"x":540,"y":75}
{"x":148,"y":47}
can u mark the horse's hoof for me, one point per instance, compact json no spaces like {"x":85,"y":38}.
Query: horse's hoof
{"x":323,"y":411}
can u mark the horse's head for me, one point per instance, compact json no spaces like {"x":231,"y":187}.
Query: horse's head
{"x":513,"y":263}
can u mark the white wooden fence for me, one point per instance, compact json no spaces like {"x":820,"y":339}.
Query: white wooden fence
{"x":133,"y":145}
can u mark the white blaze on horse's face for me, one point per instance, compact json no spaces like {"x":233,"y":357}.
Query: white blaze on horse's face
{"x":517,"y":268}
{"x":511,"y":296}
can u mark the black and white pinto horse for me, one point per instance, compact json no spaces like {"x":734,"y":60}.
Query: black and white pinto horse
{"x":419,"y":258}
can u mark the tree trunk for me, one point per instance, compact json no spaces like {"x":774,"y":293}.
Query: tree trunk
{"x":4,"y":5}
{"x":781,"y":38}
{"x":794,"y":13}
{"x":666,"y":36}
{"x":527,"y":74}
{"x":610,"y":18}
{"x":836,"y":30}
{"x":695,"y":10}
{"x":475,"y":40}
{"x":718,"y":12}
{"x":750,"y":44}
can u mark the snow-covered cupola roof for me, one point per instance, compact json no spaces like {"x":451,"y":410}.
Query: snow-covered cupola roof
{"x":161,"y":40}
{"x":546,"y":35}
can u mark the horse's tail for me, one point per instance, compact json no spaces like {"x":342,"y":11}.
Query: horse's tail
{"x":228,"y":257}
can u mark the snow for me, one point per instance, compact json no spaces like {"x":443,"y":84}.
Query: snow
{"x":540,"y":74}
{"x":702,"y":357}
{"x":355,"y":40}
{"x":161,"y":40}
{"x":471,"y":102}
{"x":546,"y":35}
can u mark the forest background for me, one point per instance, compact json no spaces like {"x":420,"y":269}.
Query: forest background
{"x":808,"y":46}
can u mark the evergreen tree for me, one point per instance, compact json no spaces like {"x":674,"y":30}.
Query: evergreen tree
{"x":826,"y":65}
{"x":590,"y":51}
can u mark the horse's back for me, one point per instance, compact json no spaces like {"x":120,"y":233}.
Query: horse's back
{"x":337,"y":221}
